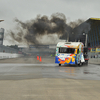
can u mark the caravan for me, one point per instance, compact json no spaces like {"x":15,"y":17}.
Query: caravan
{"x":69,"y":53}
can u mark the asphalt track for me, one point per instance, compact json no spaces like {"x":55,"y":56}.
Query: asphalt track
{"x":36,"y":71}
{"x":29,"y":79}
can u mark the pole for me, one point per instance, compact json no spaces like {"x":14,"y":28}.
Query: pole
{"x":86,"y":41}
{"x":67,"y":37}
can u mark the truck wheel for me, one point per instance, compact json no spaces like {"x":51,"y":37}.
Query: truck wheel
{"x":76,"y":64}
{"x":80,"y":63}
{"x":86,"y":61}
{"x":59,"y":64}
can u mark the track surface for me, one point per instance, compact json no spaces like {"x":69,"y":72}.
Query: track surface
{"x":29,"y":79}
{"x":35,"y":71}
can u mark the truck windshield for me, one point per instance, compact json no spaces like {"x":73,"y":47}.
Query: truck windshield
{"x":66,"y":50}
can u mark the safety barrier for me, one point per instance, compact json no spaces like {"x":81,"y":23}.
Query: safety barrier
{"x":9,"y":55}
{"x":94,"y":60}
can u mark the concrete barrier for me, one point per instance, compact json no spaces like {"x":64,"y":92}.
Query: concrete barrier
{"x":9,"y":55}
{"x":94,"y":60}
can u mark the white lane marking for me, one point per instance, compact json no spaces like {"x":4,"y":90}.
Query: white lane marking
{"x":11,"y":69}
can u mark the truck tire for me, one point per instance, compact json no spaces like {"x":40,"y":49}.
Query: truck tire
{"x":86,"y":61}
{"x":76,"y":64}
{"x":59,"y":64}
{"x":80,"y":63}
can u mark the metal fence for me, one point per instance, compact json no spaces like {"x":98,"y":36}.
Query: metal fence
{"x":6,"y":49}
{"x":94,"y":55}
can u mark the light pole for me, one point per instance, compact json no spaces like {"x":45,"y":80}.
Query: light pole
{"x":85,"y":39}
{"x":67,"y":37}
{"x":1,"y":34}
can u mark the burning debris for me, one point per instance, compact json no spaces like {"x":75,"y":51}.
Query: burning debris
{"x":36,"y":30}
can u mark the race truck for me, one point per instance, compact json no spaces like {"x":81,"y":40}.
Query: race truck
{"x":70,"y":53}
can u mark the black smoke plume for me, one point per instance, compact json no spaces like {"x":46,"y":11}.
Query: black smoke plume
{"x":28,"y":32}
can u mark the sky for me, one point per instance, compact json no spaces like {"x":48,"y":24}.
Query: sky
{"x":28,"y":9}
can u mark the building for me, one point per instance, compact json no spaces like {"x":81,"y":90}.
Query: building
{"x":89,"y":30}
{"x":1,"y":36}
{"x":94,"y":33}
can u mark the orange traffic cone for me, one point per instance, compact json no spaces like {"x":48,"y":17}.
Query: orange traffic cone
{"x":37,"y":57}
{"x":40,"y":59}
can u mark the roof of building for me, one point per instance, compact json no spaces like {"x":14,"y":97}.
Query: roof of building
{"x":1,"y":20}
{"x":94,"y":18}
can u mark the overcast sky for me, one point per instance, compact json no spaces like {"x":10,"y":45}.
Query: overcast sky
{"x":28,"y":9}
